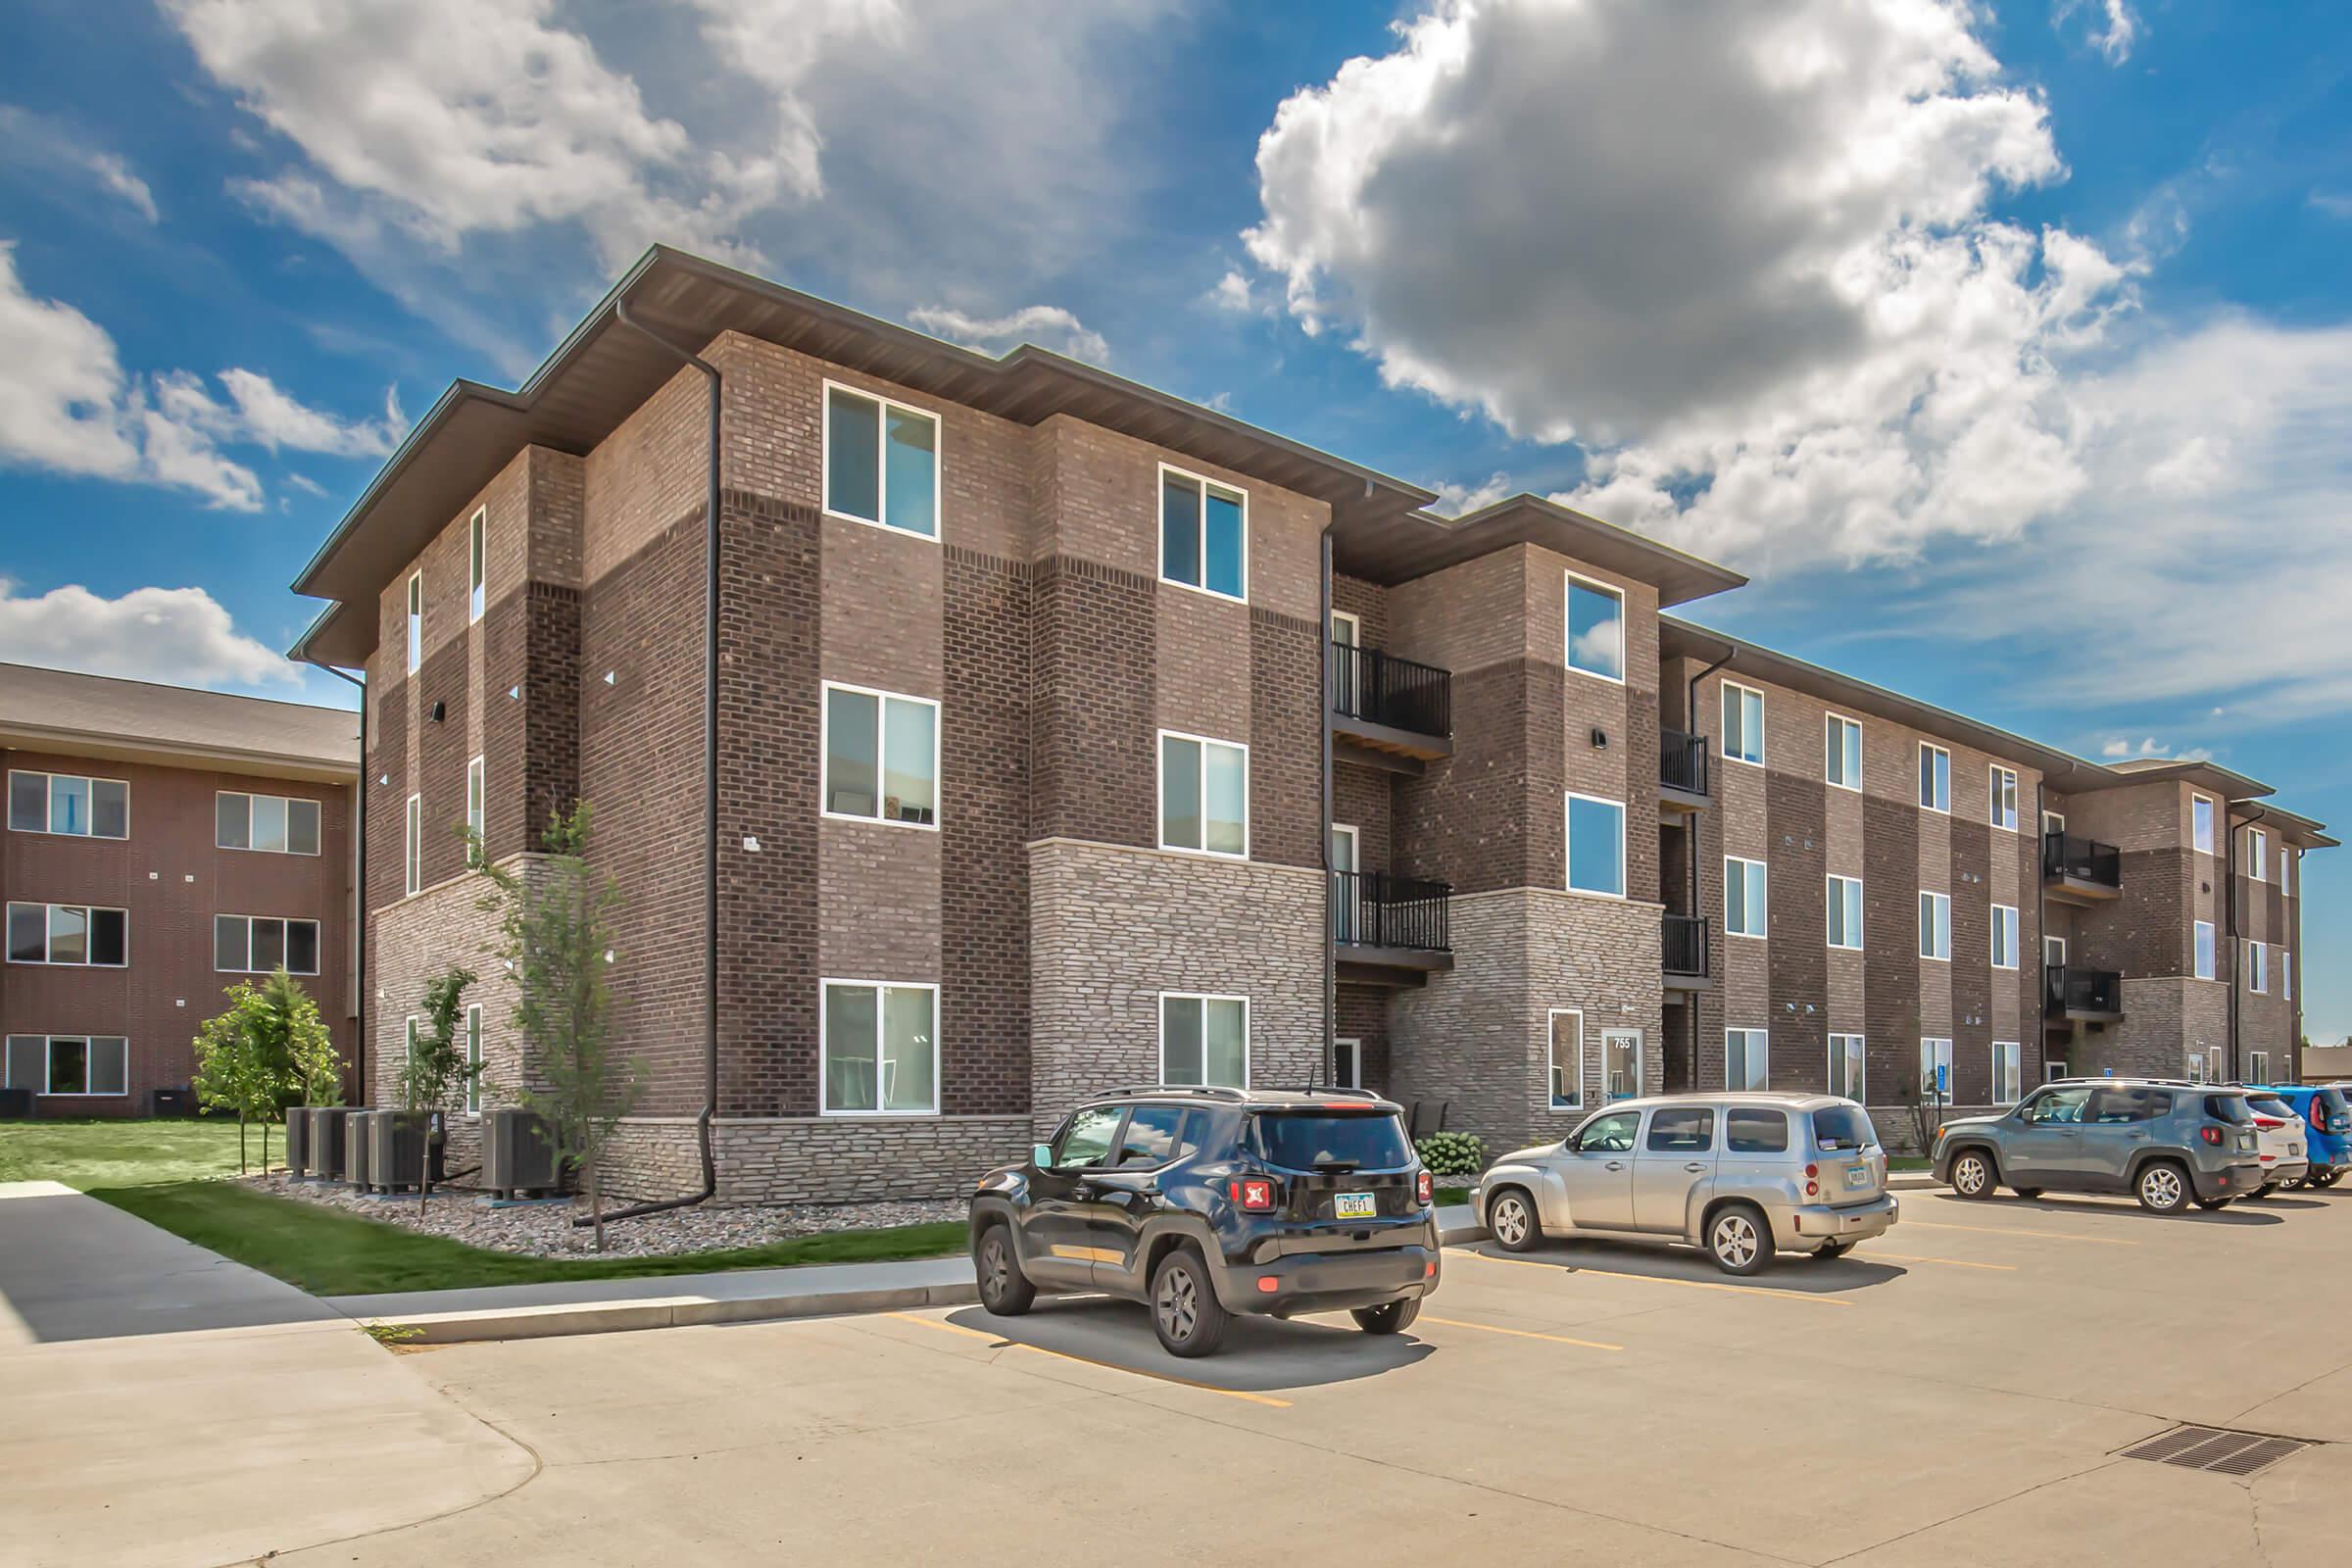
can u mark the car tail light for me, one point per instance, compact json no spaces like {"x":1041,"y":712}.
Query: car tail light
{"x":1423,"y":1187}
{"x":1267,"y":1284}
{"x":1812,"y":1170}
{"x":2268,"y":1123}
{"x":1351,"y":1105}
{"x":1428,"y":1270}
{"x":2212,"y":1135}
{"x":1254,"y":1194}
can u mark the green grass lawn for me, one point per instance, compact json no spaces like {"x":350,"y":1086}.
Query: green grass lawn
{"x":166,"y":1172}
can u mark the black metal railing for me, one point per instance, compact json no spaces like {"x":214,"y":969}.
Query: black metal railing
{"x":1685,"y":944}
{"x":2069,"y":855}
{"x":1375,"y":909}
{"x":1682,"y":762}
{"x":2067,"y":988}
{"x":1382,"y":689}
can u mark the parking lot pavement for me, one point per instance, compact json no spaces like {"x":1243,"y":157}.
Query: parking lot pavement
{"x":1955,"y":1394}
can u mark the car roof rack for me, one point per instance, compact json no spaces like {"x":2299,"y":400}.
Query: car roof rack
{"x":1202,"y":1091}
{"x":2145,"y":1083}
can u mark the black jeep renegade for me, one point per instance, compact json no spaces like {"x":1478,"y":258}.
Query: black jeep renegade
{"x":1204,"y":1203}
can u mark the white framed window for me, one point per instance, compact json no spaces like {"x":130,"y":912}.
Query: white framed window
{"x":1347,"y":1064}
{"x":1936,"y":1068}
{"x":1746,"y":1058}
{"x":1204,"y":795}
{"x":2053,"y":822}
{"x":1742,"y":724}
{"x":81,"y":935}
{"x":2258,"y":966}
{"x":414,"y":858}
{"x":2258,"y":848}
{"x":2004,"y":795}
{"x":877,"y":1048}
{"x":408,"y":1044}
{"x":1935,"y":926}
{"x":1845,"y":912}
{"x":2004,"y":936}
{"x":1620,"y":1064}
{"x":70,"y":805}
{"x":2203,"y":931}
{"x":1595,"y":845}
{"x":1745,"y":913}
{"x":80,"y":1066}
{"x":881,"y":757}
{"x":476,"y":564}
{"x":1203,"y":1039}
{"x":2053,"y":952}
{"x":273,"y":824}
{"x":263,"y":943}
{"x":1935,"y":778}
{"x":2200,"y":823}
{"x":1564,"y":1066}
{"x":2199,"y":1069}
{"x":415,"y":621}
{"x":1203,"y":534}
{"x":2008,"y":1069}
{"x":473,"y":1059}
{"x":474,"y":799}
{"x":2286,"y":976}
{"x":1842,"y":752}
{"x":2053,"y":1068}
{"x":2258,"y":1066}
{"x":1846,"y":1068}
{"x":881,"y":461}
{"x":1348,"y":628}
{"x":1596,"y":628}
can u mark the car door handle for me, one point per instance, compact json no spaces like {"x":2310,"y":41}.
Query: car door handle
{"x":1694,"y":1165}
{"x":1614,"y":1164}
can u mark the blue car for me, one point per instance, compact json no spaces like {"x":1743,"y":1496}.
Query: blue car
{"x":2328,"y":1120}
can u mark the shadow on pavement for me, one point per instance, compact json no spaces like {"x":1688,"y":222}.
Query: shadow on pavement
{"x":1259,"y":1356}
{"x":1790,"y":1274}
{"x":1952,"y":1203}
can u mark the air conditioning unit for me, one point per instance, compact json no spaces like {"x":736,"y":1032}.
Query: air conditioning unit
{"x":396,"y":1150}
{"x":355,"y":1145}
{"x":16,"y":1104}
{"x":518,"y":1155}
{"x":298,"y":1138}
{"x":324,"y":1159}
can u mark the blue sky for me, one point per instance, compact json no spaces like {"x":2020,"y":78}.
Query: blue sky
{"x":2008,"y":348}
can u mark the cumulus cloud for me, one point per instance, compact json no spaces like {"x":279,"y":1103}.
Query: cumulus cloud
{"x":67,"y":405}
{"x":2112,"y":31}
{"x":35,"y":140}
{"x":1233,"y":293}
{"x":1460,"y":500}
{"x":1046,"y":325}
{"x":2123,"y":749}
{"x":180,"y":636}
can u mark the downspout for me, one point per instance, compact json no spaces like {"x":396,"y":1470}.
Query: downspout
{"x":702,"y":1120}
{"x":2237,"y":1071}
{"x":1691,"y":718}
{"x":1331,"y":983}
{"x":358,"y":1047}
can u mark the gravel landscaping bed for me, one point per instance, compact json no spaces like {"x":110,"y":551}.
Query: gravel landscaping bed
{"x":547,"y":1231}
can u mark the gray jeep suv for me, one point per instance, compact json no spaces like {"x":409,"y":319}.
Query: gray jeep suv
{"x":2167,"y":1142}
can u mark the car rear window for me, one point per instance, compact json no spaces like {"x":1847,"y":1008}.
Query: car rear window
{"x":2335,"y":1103}
{"x":1755,"y":1131}
{"x":2231,"y":1108}
{"x":1844,"y":1127}
{"x":2272,"y":1105}
{"x":1321,"y":1140}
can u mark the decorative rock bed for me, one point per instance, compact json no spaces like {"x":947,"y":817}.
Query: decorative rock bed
{"x":545,"y":1230}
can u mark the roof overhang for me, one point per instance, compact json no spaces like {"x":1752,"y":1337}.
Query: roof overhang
{"x":1398,"y":547}
{"x":257,"y":762}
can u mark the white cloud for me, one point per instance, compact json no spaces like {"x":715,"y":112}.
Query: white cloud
{"x":180,"y":636}
{"x":1046,"y":325}
{"x":2123,"y":749}
{"x":2115,"y":38}
{"x":268,"y":416}
{"x":2335,"y":204}
{"x":1233,"y":293}
{"x":37,"y":140}
{"x":1460,"y":500}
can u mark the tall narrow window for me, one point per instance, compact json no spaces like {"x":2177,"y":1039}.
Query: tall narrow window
{"x":1203,"y":1040}
{"x":1746,"y":1058}
{"x":1596,"y":628}
{"x":2008,"y":1072}
{"x":2004,"y":936}
{"x":2204,"y":949}
{"x":1596,"y":846}
{"x":415,"y":621}
{"x":1567,"y":1058}
{"x":2004,"y":798}
{"x":881,"y":757}
{"x":2286,"y":977}
{"x":1935,"y":778}
{"x":1203,"y":534}
{"x":477,"y":545}
{"x":2200,"y":819}
{"x":1842,"y":752}
{"x":1936,"y":1069}
{"x":881,"y":463}
{"x":1935,"y":926}
{"x":2258,"y":847}
{"x":473,"y":1059}
{"x":1742,"y":724}
{"x":1743,"y":900}
{"x":1204,"y":795}
{"x":2258,"y":966}
{"x":473,"y":811}
{"x":413,"y":858}
{"x":880,"y":1044}
{"x":1845,"y":912}
{"x":1845,"y":1066}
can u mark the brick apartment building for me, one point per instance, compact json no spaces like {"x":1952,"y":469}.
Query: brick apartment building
{"x":1035,"y":696}
{"x":161,"y":845}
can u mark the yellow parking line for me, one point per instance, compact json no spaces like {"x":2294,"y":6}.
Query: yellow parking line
{"x":1519,"y":1334}
{"x":1655,"y":1279}
{"x":1107,"y":1366}
{"x":2013,"y":1230}
{"x":1949,"y":1262}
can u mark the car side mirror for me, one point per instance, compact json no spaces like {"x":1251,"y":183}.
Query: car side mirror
{"x":1041,"y":1156}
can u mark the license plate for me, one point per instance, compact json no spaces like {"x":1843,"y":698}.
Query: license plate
{"x":1858,"y":1175}
{"x":1355,"y":1206}
{"x":2295,"y":1150}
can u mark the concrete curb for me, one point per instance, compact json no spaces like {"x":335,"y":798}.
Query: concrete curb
{"x":658,"y":1312}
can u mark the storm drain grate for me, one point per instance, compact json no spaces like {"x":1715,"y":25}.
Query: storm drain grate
{"x":2215,"y":1450}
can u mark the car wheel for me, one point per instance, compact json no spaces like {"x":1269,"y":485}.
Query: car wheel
{"x":2298,"y":1183}
{"x":1387,"y":1317}
{"x":2326,"y":1178}
{"x":2163,"y":1188}
{"x":1511,"y":1221}
{"x":1186,"y":1313}
{"x":2215,"y":1202}
{"x":2028,"y":1194}
{"x":2264,"y":1191}
{"x":1004,"y":1290}
{"x":1829,"y":1249}
{"x":1973,"y":1174}
{"x":1738,"y":1238}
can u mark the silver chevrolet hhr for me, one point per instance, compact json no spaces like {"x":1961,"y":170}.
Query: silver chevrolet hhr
{"x":1741,"y":1175}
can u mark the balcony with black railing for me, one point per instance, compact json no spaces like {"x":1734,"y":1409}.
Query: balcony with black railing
{"x":1387,"y":705}
{"x":1684,"y":952}
{"x":1682,"y":768}
{"x":1381,"y":921}
{"x":2071,"y":991}
{"x":2079,"y":870}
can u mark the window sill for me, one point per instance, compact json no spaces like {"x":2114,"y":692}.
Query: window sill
{"x":1227,"y":855}
{"x":887,"y":527}
{"x":1579,"y":669}
{"x":881,"y":1115}
{"x":1218,"y":594}
{"x":877,"y":821}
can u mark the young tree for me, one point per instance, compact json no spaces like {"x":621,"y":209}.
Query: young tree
{"x":270,"y":1046}
{"x":555,"y":933}
{"x":437,"y":1064}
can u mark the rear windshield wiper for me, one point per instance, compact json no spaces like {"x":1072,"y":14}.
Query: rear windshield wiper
{"x":1335,"y":1167}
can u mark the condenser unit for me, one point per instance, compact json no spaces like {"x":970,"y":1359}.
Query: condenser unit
{"x":324,"y":1160}
{"x":298,"y":1138}
{"x":518,"y":1155}
{"x":396,"y":1150}
{"x":355,"y":1145}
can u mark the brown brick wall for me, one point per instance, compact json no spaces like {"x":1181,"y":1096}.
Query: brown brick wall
{"x":1797,"y":961}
